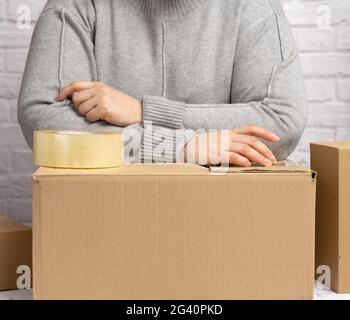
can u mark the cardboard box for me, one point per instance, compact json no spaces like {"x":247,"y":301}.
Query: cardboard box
{"x":174,"y":232}
{"x":15,"y":251}
{"x":331,"y":160}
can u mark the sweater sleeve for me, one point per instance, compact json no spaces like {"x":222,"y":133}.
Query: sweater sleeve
{"x":61,"y":51}
{"x":267,"y":86}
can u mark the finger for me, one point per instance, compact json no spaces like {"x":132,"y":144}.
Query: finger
{"x":258,"y":132}
{"x":256,"y":144}
{"x":82,"y":96}
{"x":93,"y":115}
{"x":87,"y":106}
{"x":75,"y":86}
{"x":251,"y":154}
{"x":238,"y":160}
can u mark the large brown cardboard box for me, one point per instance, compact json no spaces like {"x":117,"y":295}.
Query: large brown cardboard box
{"x":174,"y":232}
{"x":15,"y":251}
{"x":331,"y":160}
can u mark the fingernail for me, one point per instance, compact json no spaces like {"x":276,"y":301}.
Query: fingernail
{"x":56,"y":98}
{"x":275,"y":137}
{"x":268,"y":162}
{"x":273,"y":159}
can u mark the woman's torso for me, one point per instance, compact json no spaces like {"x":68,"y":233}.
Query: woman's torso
{"x":183,"y":50}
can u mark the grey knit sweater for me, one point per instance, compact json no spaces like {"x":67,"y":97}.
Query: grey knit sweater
{"x":196,"y":64}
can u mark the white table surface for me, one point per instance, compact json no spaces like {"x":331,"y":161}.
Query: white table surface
{"x":320,"y":294}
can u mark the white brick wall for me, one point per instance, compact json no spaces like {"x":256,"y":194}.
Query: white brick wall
{"x":322,"y":31}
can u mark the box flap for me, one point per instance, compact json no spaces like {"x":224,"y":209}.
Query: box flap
{"x":7,"y":225}
{"x":131,"y":169}
{"x":171,"y":169}
{"x":333,"y":144}
{"x":281,"y":167}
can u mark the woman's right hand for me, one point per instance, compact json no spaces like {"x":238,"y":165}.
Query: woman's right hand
{"x":238,"y":146}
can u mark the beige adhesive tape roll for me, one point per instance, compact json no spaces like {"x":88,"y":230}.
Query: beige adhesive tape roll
{"x":77,"y":149}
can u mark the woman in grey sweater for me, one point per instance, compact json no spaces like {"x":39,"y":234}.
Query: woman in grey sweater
{"x":169,"y":68}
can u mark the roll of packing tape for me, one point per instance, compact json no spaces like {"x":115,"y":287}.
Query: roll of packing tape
{"x":77,"y":149}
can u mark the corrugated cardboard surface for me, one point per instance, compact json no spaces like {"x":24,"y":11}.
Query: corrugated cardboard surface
{"x":173,"y":232}
{"x":15,"y":250}
{"x":332,"y":162}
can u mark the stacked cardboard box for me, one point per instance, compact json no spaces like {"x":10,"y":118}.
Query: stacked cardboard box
{"x":331,"y":160}
{"x":174,"y":232}
{"x":15,"y":251}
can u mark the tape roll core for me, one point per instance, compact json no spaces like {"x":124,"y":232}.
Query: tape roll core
{"x":77,"y":149}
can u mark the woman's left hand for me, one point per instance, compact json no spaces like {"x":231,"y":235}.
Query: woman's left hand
{"x":97,"y":101}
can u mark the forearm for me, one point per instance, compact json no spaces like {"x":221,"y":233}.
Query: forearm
{"x":154,"y":144}
{"x":281,"y":117}
{"x":55,"y":116}
{"x":287,"y":123}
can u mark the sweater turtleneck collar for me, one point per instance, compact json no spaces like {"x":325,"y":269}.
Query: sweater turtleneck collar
{"x":166,"y":8}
